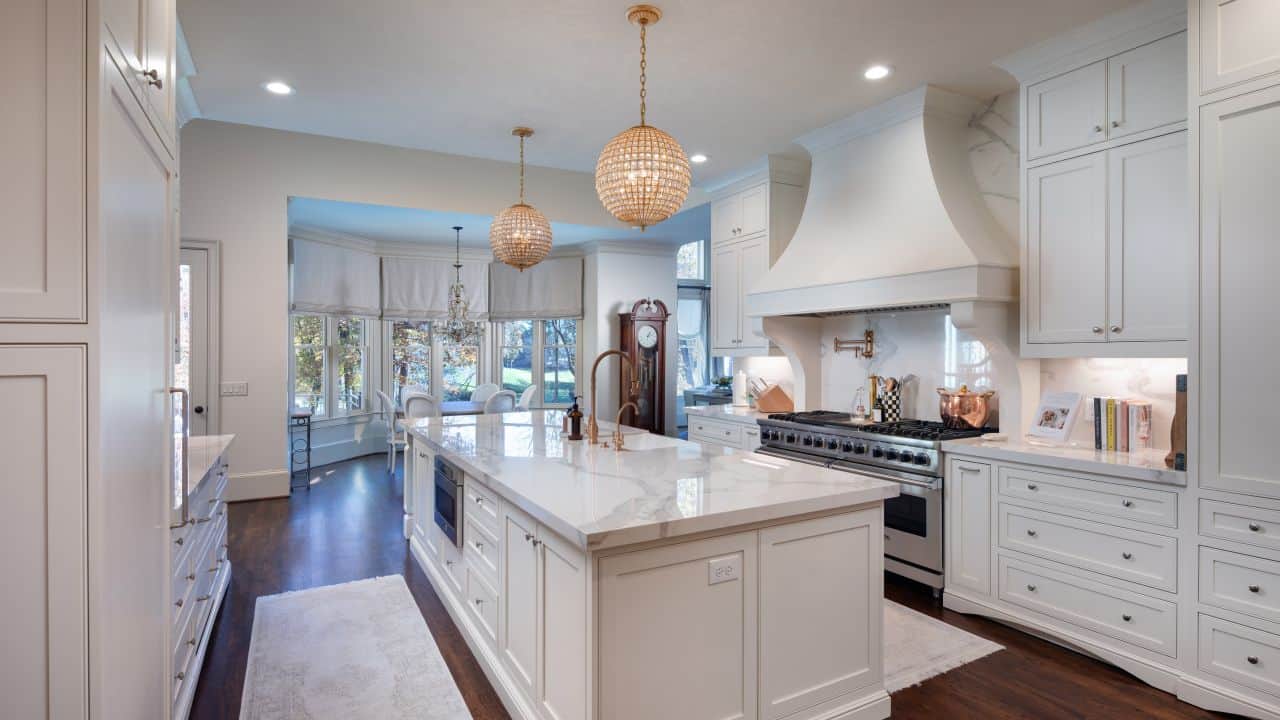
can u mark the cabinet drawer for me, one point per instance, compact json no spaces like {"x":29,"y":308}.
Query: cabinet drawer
{"x":1062,"y":491}
{"x":481,"y":548}
{"x":717,"y":433}
{"x":480,"y":501}
{"x":1253,"y":526}
{"x":1240,"y":654}
{"x":1239,"y":582}
{"x":1119,"y":552}
{"x":482,"y":600}
{"x":1128,"y":616}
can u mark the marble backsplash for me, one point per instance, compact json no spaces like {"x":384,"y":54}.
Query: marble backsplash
{"x":1151,"y":379}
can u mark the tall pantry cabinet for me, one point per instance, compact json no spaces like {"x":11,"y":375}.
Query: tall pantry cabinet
{"x":86,"y":297}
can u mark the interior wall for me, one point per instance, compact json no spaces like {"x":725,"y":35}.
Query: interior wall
{"x":1150,"y":379}
{"x":236,"y":182}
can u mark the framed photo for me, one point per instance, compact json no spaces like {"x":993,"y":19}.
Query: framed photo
{"x":1056,"y":416}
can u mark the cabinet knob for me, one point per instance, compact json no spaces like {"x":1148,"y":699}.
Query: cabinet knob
{"x":191,"y":577}
{"x":179,"y":603}
{"x":1127,"y":617}
{"x":479,"y":546}
{"x":1115,"y":123}
{"x":1127,"y":502}
{"x":202,"y":598}
{"x":529,"y":536}
{"x":478,"y":602}
{"x":1255,"y":527}
{"x":179,"y":541}
{"x":1097,"y":128}
{"x":536,"y":542}
{"x":1031,"y":533}
{"x":1126,"y":555}
{"x":1116,"y":328}
{"x":1254,"y":589}
{"x":1032,"y":486}
{"x":180,"y":676}
{"x":1031,"y":587}
{"x":1097,"y":329}
{"x":153,"y":78}
{"x":1253,"y":659}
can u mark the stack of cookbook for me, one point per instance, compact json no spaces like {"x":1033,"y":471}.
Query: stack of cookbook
{"x":1120,"y":424}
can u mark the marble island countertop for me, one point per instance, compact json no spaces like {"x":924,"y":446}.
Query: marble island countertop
{"x":656,"y":487}
{"x":1146,"y":465}
{"x":203,"y":452}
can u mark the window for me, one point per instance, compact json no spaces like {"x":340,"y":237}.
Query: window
{"x":309,"y":363}
{"x":460,"y":370}
{"x":692,"y":353}
{"x":546,"y":348}
{"x":691,"y":261}
{"x":410,"y":356}
{"x":349,"y":359}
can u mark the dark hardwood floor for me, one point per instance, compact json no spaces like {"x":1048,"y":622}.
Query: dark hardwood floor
{"x":348,"y":527}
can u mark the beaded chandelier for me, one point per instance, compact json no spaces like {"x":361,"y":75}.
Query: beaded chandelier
{"x":520,"y":235}
{"x":459,"y":328}
{"x":642,"y":176}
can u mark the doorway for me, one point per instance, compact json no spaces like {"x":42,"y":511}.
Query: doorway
{"x":195,"y":339}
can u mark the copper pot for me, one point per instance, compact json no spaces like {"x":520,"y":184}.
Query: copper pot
{"x":964,"y":409}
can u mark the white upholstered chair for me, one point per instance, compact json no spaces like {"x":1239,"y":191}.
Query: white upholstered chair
{"x":420,"y":405}
{"x":395,"y":438}
{"x":500,"y":402}
{"x":527,"y":397}
{"x":483,"y":392}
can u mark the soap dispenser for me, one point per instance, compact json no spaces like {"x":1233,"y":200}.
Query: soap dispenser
{"x":575,"y":420}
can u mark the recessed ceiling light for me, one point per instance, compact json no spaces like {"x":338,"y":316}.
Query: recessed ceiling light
{"x":278,"y":88}
{"x":877,"y":72}
{"x":697,"y":158}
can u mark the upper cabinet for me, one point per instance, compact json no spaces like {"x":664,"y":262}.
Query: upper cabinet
{"x":740,"y":215}
{"x":1237,"y":43}
{"x":142,"y":34}
{"x":1137,"y":91}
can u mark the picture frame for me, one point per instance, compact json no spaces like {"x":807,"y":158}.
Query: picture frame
{"x":1055,"y":416}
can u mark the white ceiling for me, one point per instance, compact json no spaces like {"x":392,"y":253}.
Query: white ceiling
{"x":734,"y":79}
{"x":410,"y":225}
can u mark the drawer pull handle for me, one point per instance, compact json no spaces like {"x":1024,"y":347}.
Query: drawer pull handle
{"x":1254,"y":589}
{"x":180,"y":676}
{"x":479,"y":546}
{"x":1031,"y":587}
{"x":1032,"y":486}
{"x":479,"y":500}
{"x":202,"y":598}
{"x":448,"y":563}
{"x":479,"y":602}
{"x":1255,"y":527}
{"x":179,"y":603}
{"x":1126,"y":502}
{"x":1127,"y":617}
{"x":179,"y":541}
{"x":1031,"y":533}
{"x":192,"y":641}
{"x":1253,"y":659}
{"x":191,"y":577}
{"x":1127,"y":555}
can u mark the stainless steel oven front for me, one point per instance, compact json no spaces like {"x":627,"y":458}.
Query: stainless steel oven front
{"x":448,"y":515}
{"x":913,"y":543}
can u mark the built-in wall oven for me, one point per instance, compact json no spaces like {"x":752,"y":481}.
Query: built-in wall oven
{"x":449,"y":499}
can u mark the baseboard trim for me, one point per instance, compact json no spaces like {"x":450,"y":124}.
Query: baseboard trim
{"x":259,"y":485}
{"x":1210,"y":697}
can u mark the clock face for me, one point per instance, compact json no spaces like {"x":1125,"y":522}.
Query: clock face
{"x":647,"y":336}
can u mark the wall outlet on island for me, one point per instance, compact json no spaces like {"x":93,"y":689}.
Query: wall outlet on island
{"x":235,"y":389}
{"x":724,"y":569}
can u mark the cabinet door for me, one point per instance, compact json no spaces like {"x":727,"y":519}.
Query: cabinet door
{"x":968,"y":522}
{"x":42,"y":150}
{"x":42,"y":438}
{"x":518,"y":628}
{"x":1239,"y":334}
{"x":726,"y":297}
{"x":755,"y":210}
{"x":753,"y":263}
{"x":126,"y":23}
{"x":1067,"y":111}
{"x":1239,"y":41}
{"x":665,"y":615}
{"x":161,"y":56}
{"x":1149,"y":269}
{"x":1147,"y":86}
{"x":815,"y":652}
{"x":423,"y":481}
{"x":138,"y":252}
{"x":726,"y":218}
{"x":562,"y":636}
{"x":1066,"y":274}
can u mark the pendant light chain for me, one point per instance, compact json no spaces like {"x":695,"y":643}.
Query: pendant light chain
{"x":643,"y":66}
{"x":522,"y":169}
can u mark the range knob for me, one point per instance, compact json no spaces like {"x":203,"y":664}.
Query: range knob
{"x":891,"y":454}
{"x":808,"y":440}
{"x":859,"y":449}
{"x":831,"y":443}
{"x":791,"y":437}
{"x":877,"y":452}
{"x":847,"y":447}
{"x":921,"y":459}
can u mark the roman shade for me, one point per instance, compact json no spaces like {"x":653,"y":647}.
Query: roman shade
{"x":331,"y":279}
{"x":550,"y":290}
{"x":418,"y":289}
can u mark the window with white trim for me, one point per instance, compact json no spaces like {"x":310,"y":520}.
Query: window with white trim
{"x":329,"y":364}
{"x":543,"y":352}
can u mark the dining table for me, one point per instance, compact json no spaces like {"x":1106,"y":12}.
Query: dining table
{"x":448,"y":407}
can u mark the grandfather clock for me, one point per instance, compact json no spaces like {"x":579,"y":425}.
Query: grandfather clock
{"x":644,"y":340}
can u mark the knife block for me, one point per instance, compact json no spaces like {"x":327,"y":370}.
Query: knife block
{"x":774,"y":400}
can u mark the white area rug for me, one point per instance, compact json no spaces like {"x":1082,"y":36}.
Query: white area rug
{"x":917,"y":647}
{"x":351,"y":651}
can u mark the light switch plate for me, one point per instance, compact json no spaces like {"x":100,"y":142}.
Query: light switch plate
{"x":724,"y":569}
{"x":235,"y":389}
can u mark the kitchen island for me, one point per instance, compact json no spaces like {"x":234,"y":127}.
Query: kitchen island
{"x":665,"y":580}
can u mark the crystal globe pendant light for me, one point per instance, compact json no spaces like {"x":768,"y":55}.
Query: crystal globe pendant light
{"x":642,"y":176}
{"x":459,"y":328}
{"x":520,"y":235}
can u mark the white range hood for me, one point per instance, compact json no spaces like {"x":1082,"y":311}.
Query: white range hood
{"x":894,"y":217}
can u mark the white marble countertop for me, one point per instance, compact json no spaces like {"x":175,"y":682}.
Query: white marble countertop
{"x":728,"y":413}
{"x":203,"y":452}
{"x":656,"y":487}
{"x":1146,"y":465}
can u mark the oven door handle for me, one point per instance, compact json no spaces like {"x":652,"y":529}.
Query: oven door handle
{"x":926,"y":484}
{"x":782,"y":455}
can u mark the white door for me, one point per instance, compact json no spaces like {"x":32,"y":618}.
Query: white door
{"x":755,"y":210}
{"x":726,"y":297}
{"x":518,"y":629}
{"x":1067,"y":111}
{"x":1149,"y":269}
{"x":130,"y":497}
{"x":44,"y":533}
{"x":1147,"y":86}
{"x":1239,"y":333}
{"x":562,"y":636}
{"x":753,"y":263}
{"x":191,"y":370}
{"x":1067,"y":251}
{"x":968,"y":523}
{"x":1239,"y":41}
{"x":726,"y":218}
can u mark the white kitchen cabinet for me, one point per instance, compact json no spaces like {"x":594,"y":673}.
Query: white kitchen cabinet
{"x":1147,"y":87}
{"x":42,"y":196}
{"x":741,"y":214}
{"x":518,"y":628}
{"x":1239,"y":41}
{"x":422,"y":478}
{"x":41,"y":523}
{"x":968,"y":493}
{"x":1068,"y":111}
{"x":143,"y":36}
{"x":734,"y":431}
{"x":1066,"y":251}
{"x":735,"y":268}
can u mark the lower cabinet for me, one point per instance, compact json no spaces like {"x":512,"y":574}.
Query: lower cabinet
{"x":725,"y":433}
{"x":967,"y":502}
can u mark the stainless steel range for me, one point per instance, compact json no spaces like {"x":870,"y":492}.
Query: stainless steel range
{"x":908,"y":452}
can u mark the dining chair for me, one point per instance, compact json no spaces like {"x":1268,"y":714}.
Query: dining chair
{"x":527,"y":397}
{"x":395,"y":438}
{"x":500,"y":402}
{"x":484,"y":392}
{"x":420,"y":405}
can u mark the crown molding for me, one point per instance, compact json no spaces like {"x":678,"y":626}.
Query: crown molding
{"x":778,"y":168}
